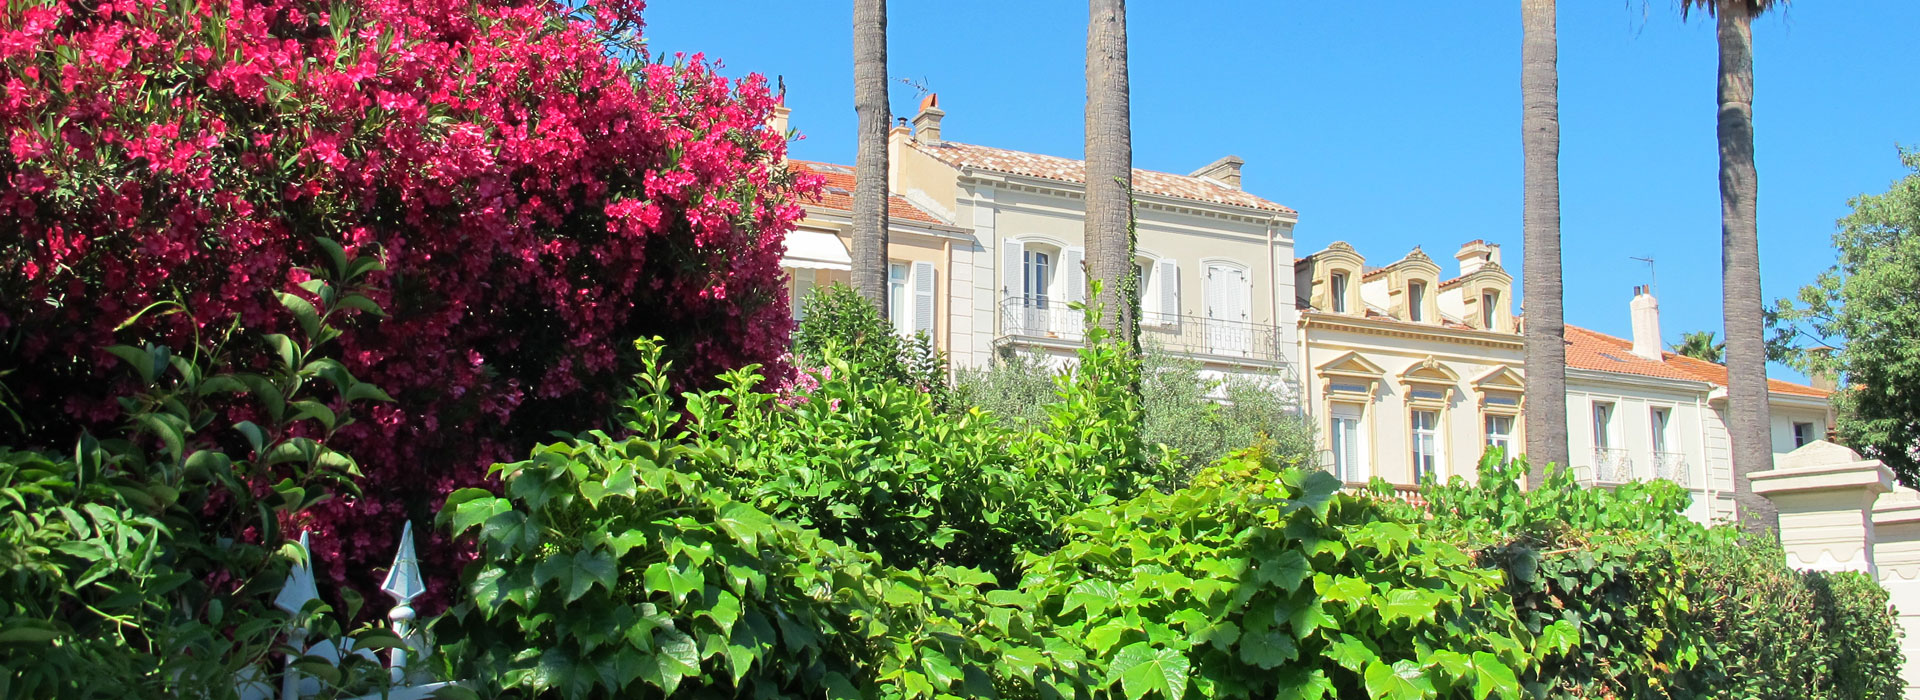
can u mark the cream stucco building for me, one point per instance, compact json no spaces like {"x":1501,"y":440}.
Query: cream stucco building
{"x":1409,"y":374}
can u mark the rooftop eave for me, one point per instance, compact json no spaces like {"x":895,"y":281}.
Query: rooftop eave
{"x":1641,"y":380}
{"x":844,"y":217}
{"x":983,"y":175}
{"x":1331,"y":320}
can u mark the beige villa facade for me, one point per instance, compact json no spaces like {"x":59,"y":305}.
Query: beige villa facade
{"x":1214,"y":259}
{"x":1404,"y":381}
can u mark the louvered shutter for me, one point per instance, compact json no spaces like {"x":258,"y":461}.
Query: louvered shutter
{"x":1077,"y":274}
{"x":923,"y":287}
{"x":1169,"y":274}
{"x":1013,"y":270}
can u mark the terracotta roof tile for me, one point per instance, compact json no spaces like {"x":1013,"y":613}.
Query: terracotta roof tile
{"x":837,"y":192}
{"x":1592,"y":350}
{"x":1068,"y":170}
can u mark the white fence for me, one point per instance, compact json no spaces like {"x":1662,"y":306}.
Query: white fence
{"x":403,"y":584}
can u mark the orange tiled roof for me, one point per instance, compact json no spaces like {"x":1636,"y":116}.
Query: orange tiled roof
{"x":1600,"y":352}
{"x":837,"y":192}
{"x":1068,"y":170}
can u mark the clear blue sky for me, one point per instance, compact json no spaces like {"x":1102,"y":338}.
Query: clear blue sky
{"x":1391,"y":127}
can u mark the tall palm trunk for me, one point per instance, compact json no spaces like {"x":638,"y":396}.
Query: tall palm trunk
{"x":1749,"y":421}
{"x":1546,"y":416}
{"x":870,"y":160}
{"x":1109,"y":161}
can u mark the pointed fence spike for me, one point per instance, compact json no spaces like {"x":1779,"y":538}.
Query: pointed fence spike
{"x":299,"y":587}
{"x":403,"y":580}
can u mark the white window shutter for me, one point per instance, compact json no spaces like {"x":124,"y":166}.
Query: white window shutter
{"x":1169,"y":274}
{"x":923,"y":297}
{"x":1076,"y":274}
{"x":1013,"y":269}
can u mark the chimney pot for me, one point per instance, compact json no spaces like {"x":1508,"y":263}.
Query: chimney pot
{"x":1646,"y":325}
{"x":1225,"y":171}
{"x":926,"y":124}
{"x":1476,"y":254}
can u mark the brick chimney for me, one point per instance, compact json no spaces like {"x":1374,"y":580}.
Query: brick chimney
{"x":1225,"y":171}
{"x":926,"y":124}
{"x":1646,"y":324}
{"x":1475,"y":255}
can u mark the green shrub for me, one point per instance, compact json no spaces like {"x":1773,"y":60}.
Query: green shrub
{"x":1667,"y":607}
{"x":1181,"y":409}
{"x":145,"y":564}
{"x":839,"y":324}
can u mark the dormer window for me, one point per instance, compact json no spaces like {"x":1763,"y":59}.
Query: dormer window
{"x":1416,"y":301}
{"x":1488,"y":301}
{"x":1338,"y":288}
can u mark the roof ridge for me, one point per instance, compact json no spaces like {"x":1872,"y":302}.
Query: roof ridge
{"x":1064,"y":169}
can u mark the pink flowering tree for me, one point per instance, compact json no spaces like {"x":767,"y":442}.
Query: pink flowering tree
{"x":542,"y":189}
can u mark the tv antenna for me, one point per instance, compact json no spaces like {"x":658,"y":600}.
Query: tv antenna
{"x":1653,"y":280}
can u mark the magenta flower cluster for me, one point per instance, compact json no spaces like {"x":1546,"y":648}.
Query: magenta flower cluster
{"x":543,"y":190}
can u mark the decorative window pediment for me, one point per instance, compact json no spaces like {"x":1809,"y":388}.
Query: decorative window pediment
{"x":1501,"y":390}
{"x":1351,"y":375}
{"x":1429,"y":383}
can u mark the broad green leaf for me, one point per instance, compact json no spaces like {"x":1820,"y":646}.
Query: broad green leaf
{"x":1268,"y":649}
{"x":1094,"y":595}
{"x":1409,"y":604}
{"x":1352,"y":653}
{"x":1342,"y":589}
{"x":1492,"y":677}
{"x":1383,"y":682}
{"x":675,"y":656}
{"x":1286,"y":572}
{"x":1142,"y":669}
{"x":591,"y":567}
{"x":1303,"y":684}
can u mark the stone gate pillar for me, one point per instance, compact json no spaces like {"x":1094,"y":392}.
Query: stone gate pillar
{"x":1825,"y":494}
{"x":1896,"y":550}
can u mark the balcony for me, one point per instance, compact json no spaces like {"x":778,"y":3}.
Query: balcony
{"x":1673,"y":467}
{"x":1051,"y":322}
{"x":1611,"y":466}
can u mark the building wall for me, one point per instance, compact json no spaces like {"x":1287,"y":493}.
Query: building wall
{"x":1631,"y":429}
{"x":1386,"y":431}
{"x":903,"y":246}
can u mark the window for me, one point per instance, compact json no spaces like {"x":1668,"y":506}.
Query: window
{"x":802,"y":288}
{"x":899,"y":309}
{"x":1426,"y":444}
{"x":1602,"y":419}
{"x":1345,"y":435}
{"x":1500,"y":434}
{"x":1488,"y":301}
{"x":1416,"y":301}
{"x":1803,"y":434}
{"x":1660,"y":418}
{"x":1337,"y":287}
{"x":1039,"y":272}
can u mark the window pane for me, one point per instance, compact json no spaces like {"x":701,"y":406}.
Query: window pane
{"x":1416,"y":301}
{"x":1339,"y":292}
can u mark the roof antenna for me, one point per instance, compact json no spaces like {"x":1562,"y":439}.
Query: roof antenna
{"x":1653,"y":283}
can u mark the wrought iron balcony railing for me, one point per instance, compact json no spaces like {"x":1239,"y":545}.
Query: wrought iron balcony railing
{"x":1612,"y":466}
{"x":1673,"y":467}
{"x":1035,"y":320}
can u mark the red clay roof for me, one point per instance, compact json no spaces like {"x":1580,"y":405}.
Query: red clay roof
{"x":1600,"y":352}
{"x":837,"y":192}
{"x":1068,"y":170}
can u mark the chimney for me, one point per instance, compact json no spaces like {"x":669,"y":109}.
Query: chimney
{"x":926,"y":124}
{"x":1225,"y":171}
{"x":1646,"y":324}
{"x":1475,"y":255}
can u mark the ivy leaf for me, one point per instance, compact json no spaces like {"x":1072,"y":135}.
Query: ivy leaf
{"x":1408,"y":604}
{"x":675,"y":657}
{"x":745,"y":523}
{"x":1267,"y":649}
{"x":1491,"y":677}
{"x":1352,"y":653}
{"x":1557,"y":638}
{"x":1384,"y":682}
{"x":725,"y":610}
{"x":1301,"y":684}
{"x":590,"y":567}
{"x":664,"y":577}
{"x":1142,"y":669}
{"x":1286,"y":572}
{"x":1096,"y":596}
{"x":1342,"y":589}
{"x":1308,"y":618}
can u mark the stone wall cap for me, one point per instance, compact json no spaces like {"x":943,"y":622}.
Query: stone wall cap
{"x":1901,"y":506}
{"x":1816,"y":453}
{"x":1870,"y":475}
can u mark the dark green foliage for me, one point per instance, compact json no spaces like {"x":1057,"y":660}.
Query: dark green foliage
{"x":144,"y":564}
{"x":838,"y":324}
{"x":1666,"y":607}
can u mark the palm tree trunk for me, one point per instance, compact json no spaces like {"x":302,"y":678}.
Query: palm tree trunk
{"x":1546,"y":413}
{"x":1749,"y":422}
{"x":1109,"y":160}
{"x":870,"y":161}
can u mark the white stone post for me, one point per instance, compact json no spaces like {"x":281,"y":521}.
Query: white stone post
{"x":1896,"y":529}
{"x":1825,"y":494}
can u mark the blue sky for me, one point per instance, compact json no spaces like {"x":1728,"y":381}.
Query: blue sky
{"x":1391,"y":128}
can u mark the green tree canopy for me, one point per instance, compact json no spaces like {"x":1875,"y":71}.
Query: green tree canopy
{"x":1701,"y":345}
{"x":1860,"y":321}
